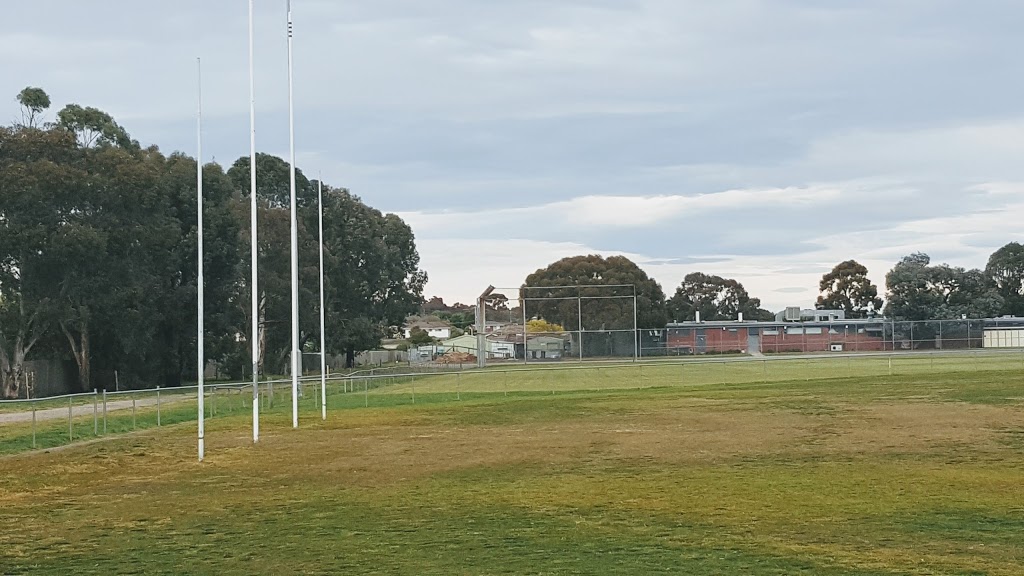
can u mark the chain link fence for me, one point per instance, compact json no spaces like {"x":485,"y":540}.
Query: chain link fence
{"x":753,"y":338}
{"x":52,"y":422}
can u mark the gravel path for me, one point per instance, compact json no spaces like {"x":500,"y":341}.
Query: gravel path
{"x":84,"y":409}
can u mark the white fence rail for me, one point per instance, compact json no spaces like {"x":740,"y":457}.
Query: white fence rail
{"x":56,"y":421}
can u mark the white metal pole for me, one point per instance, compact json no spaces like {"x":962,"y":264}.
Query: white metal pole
{"x":525,"y":343}
{"x":295,"y":234}
{"x":323,"y":338}
{"x":481,"y":337}
{"x":579,"y":317}
{"x":636,"y":332}
{"x":254,"y":247}
{"x":199,"y":265}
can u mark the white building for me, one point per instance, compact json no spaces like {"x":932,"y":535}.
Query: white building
{"x":1012,"y":337}
{"x":438,"y":330}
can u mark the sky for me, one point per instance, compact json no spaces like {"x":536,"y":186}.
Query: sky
{"x":762,"y":140}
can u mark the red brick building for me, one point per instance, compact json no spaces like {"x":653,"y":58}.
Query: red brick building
{"x":776,"y":337}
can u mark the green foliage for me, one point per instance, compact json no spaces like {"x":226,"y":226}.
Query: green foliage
{"x":374,"y":277}
{"x":716,"y":298}
{"x":460,"y":320}
{"x":921,"y":291}
{"x":600,"y":274}
{"x":543,"y":327}
{"x":93,"y":127}
{"x":419,"y":337}
{"x":39,"y":180}
{"x":1006,"y":270}
{"x":273,"y":182}
{"x":98,"y":257}
{"x":34,"y":101}
{"x":848,"y":288}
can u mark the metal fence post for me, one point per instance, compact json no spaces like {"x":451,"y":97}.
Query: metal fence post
{"x":158,"y":406}
{"x":71,"y":432}
{"x":890,"y":365}
{"x":366,"y":393}
{"x":33,"y":423}
{"x":95,"y":416}
{"x":458,"y":381}
{"x":764,"y":365}
{"x":104,"y":410}
{"x":133,"y":411}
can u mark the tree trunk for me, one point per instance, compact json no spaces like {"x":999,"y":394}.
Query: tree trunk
{"x":83,"y":360}
{"x":260,"y":368}
{"x":80,"y":350}
{"x":350,"y":358}
{"x":12,"y":371}
{"x":11,"y":386}
{"x":12,"y":361}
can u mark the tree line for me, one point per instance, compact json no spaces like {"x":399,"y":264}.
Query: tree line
{"x":98,"y":257}
{"x":916,"y":289}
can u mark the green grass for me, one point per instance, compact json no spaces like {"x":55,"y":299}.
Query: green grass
{"x":915,"y":473}
{"x":553,"y":378}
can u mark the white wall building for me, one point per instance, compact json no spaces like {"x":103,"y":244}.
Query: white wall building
{"x":1004,"y":338}
{"x":438,"y":330}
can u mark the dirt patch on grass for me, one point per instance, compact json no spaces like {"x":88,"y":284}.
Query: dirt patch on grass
{"x":382,"y":454}
{"x":922,"y":427}
{"x":382,"y":447}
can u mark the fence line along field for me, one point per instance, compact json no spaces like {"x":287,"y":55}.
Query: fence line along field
{"x":48,"y":422}
{"x":834,"y":467}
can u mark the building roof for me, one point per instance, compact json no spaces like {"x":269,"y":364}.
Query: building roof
{"x":429,"y":325}
{"x":546,"y":339}
{"x":459,"y":339}
{"x":777,"y":323}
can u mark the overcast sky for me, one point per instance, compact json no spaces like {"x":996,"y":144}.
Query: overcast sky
{"x":760,"y":140}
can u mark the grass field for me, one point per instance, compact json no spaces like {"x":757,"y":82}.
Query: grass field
{"x":921,"y":472}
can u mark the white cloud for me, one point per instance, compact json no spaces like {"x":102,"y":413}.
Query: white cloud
{"x":623,"y":211}
{"x":780,"y":136}
{"x":459,"y":267}
{"x":460,"y":270}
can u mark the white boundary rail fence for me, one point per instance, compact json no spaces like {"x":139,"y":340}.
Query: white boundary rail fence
{"x":60,"y":420}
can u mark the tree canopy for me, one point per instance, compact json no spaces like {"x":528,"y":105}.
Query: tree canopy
{"x":716,"y":298}
{"x":606,"y":287}
{"x":34,"y":101}
{"x":919,"y":290}
{"x":98,"y":256}
{"x":1005,"y":270}
{"x":847,"y":287}
{"x":543,"y":327}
